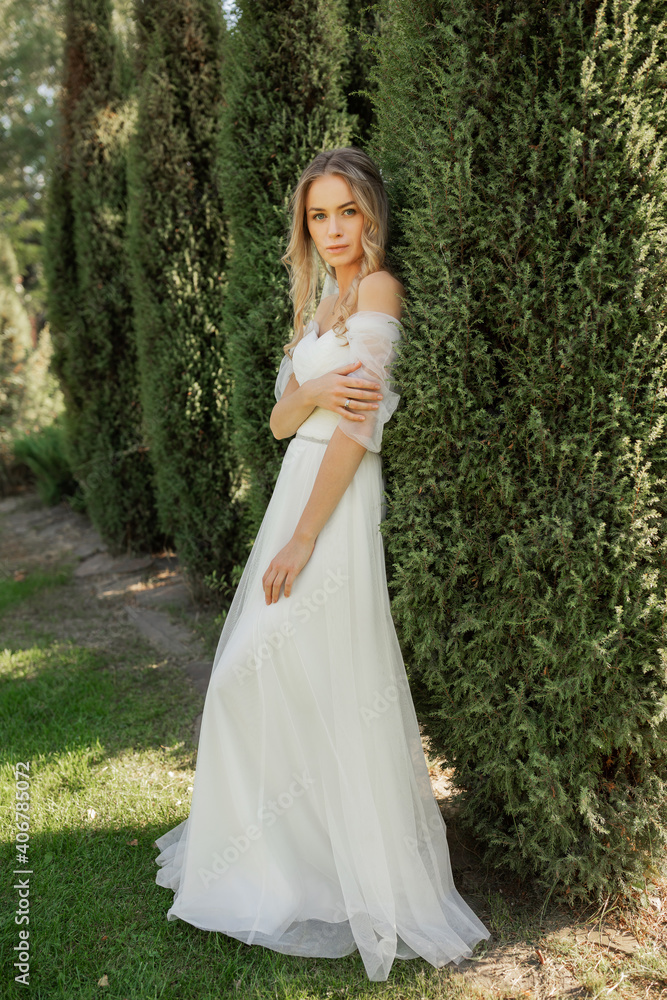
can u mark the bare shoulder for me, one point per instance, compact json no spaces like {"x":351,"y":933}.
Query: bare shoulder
{"x":325,"y":307}
{"x":381,"y":292}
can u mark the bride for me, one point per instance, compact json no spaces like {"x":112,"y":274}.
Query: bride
{"x":313,"y":829}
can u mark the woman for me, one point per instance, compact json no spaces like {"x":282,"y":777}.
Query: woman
{"x":313,"y":828}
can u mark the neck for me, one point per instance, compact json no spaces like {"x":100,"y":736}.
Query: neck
{"x":345,"y":275}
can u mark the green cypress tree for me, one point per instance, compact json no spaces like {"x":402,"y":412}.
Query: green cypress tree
{"x":526,"y":523}
{"x":286,"y":101}
{"x":363,"y":26}
{"x":89,"y":296}
{"x":178,"y":243}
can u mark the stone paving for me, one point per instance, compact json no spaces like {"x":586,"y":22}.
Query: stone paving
{"x":146,"y":584}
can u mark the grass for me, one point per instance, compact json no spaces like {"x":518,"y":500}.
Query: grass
{"x":106,"y":729}
{"x":111,"y":769}
{"x":17,"y":588}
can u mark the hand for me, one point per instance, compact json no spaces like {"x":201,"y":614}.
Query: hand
{"x":285,"y":567}
{"x":332,"y":389}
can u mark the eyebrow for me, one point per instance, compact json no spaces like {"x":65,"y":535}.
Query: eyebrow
{"x":339,"y":207}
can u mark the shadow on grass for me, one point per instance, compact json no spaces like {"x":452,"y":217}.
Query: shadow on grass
{"x":20,"y":586}
{"x":106,"y":733}
{"x":107,"y":749}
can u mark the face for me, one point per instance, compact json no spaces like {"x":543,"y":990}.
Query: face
{"x":335,"y":221}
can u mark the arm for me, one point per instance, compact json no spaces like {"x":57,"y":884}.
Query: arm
{"x":341,"y":459}
{"x":295,"y":402}
{"x":329,"y":391}
{"x":291,"y":409}
{"x":373,"y":334}
{"x":339,"y":464}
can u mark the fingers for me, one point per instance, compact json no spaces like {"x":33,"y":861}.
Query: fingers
{"x":269,"y":580}
{"x":272,"y":582}
{"x":370,"y":397}
{"x":360,"y":398}
{"x":361,"y":383}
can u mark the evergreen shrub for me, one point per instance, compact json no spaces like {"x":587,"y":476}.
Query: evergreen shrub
{"x":285,"y":92}
{"x":89,"y":297}
{"x":45,"y":454}
{"x":524,"y":144}
{"x":178,"y":248}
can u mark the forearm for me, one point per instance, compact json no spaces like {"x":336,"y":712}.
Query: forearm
{"x":290,"y":412}
{"x":339,"y":464}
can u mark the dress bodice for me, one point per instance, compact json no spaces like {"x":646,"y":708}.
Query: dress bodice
{"x":371,"y":338}
{"x":317,"y":353}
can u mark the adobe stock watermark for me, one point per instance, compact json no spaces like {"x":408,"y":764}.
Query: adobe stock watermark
{"x":302,"y":611}
{"x":267,"y":815}
{"x":424,"y":834}
{"x":96,"y":471}
{"x":22,"y":885}
{"x":383,"y":699}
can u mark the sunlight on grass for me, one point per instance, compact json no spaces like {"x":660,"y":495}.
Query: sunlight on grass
{"x":111,"y":769}
{"x":111,"y":764}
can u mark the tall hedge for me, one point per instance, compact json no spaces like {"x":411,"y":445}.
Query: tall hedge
{"x":363,"y":23}
{"x":89,"y":299}
{"x":526,"y":523}
{"x":178,"y":251}
{"x":286,"y":101}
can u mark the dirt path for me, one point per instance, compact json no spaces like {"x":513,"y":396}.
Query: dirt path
{"x":531,"y":954}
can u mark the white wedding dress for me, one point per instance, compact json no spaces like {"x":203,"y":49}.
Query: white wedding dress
{"x":313,"y":829}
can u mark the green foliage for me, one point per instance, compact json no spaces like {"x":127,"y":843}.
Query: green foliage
{"x":178,"y":251}
{"x":285,"y":103}
{"x":527,"y":519}
{"x":30,"y":69}
{"x":42,"y":399}
{"x":89,"y":294}
{"x":15,"y":343}
{"x":45,"y":455}
{"x":363,"y":24}
{"x":29,"y":394}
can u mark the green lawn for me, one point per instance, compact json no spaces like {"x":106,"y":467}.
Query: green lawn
{"x":111,"y":769}
{"x":106,"y":726}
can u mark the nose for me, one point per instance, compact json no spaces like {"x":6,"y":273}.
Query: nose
{"x":334,"y":225}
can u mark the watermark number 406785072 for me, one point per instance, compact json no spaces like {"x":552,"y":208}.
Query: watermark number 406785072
{"x":22,"y":885}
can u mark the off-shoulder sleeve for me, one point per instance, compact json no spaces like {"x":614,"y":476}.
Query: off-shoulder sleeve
{"x":373,"y":337}
{"x":284,"y":372}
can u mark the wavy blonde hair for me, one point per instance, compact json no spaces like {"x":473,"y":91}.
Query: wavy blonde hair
{"x":302,"y":259}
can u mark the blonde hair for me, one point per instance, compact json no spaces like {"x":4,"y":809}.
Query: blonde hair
{"x":302,"y":259}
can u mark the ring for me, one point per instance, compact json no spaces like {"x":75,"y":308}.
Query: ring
{"x":347,"y":404}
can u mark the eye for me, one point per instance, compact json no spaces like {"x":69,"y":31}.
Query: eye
{"x":318,"y":216}
{"x":353,"y":211}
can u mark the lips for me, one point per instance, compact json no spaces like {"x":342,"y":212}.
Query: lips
{"x":339,"y":247}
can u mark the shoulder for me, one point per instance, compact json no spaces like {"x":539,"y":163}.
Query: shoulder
{"x":381,"y":292}
{"x":325,"y":307}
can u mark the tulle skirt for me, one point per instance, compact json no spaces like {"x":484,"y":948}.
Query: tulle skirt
{"x":313,"y":829}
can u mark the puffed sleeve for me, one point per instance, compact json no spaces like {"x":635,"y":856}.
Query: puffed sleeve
{"x":373,"y":337}
{"x":284,"y":372}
